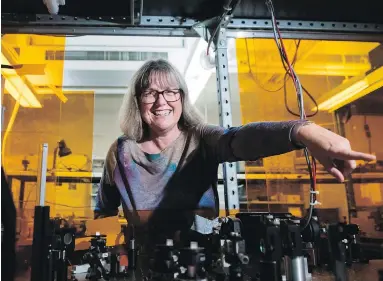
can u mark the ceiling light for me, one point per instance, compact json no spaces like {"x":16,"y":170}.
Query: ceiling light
{"x":17,"y":88}
{"x":343,"y":95}
{"x":352,"y":90}
{"x":16,"y":84}
{"x":15,"y":94}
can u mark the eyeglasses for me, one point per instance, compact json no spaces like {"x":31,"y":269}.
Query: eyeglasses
{"x":151,"y":96}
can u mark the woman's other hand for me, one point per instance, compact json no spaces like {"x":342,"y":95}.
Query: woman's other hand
{"x":331,"y":150}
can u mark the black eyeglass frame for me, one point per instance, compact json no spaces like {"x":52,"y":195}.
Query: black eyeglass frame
{"x":158,"y":93}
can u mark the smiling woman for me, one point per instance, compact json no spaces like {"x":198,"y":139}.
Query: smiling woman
{"x":163,"y":170}
{"x":158,"y":91}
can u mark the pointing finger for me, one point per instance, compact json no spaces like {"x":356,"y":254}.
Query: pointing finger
{"x":354,"y":155}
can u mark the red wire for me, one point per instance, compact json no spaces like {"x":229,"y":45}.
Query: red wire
{"x":284,"y":51}
{"x":290,"y":72}
{"x":292,"y":75}
{"x":314,"y":171}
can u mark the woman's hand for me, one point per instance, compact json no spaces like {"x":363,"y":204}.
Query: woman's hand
{"x":331,"y":150}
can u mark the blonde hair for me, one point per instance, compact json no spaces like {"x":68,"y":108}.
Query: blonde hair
{"x":131,"y":122}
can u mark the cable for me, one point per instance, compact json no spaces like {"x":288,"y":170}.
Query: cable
{"x":227,"y":10}
{"x":285,"y":78}
{"x":308,"y":94}
{"x":302,"y":115}
{"x":304,"y":89}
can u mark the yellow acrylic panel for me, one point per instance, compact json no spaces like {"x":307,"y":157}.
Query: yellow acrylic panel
{"x":62,"y":116}
{"x":265,"y":96}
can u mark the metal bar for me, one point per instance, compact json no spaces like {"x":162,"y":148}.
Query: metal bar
{"x":182,"y":22}
{"x":223,"y":87}
{"x":115,"y":31}
{"x":184,"y":32}
{"x":132,"y":15}
{"x":167,"y":21}
{"x":42,"y":174}
{"x":12,"y":23}
{"x":307,"y":25}
{"x":265,"y":24}
{"x":64,"y":20}
{"x":307,"y":35}
{"x":141,"y":10}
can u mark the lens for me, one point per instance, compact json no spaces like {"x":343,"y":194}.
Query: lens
{"x":170,"y":96}
{"x":67,"y":238}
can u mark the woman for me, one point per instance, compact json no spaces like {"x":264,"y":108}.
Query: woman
{"x":165,"y":165}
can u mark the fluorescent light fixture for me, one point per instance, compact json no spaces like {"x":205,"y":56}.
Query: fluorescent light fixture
{"x":15,"y":94}
{"x":343,"y":95}
{"x":17,"y":88}
{"x":20,"y":91}
{"x":352,"y":90}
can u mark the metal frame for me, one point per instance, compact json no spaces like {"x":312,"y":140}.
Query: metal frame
{"x":223,"y":87}
{"x":181,"y":27}
{"x":214,"y":31}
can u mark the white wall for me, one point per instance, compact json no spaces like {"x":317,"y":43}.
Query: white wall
{"x":207,"y":102}
{"x":106,"y":127}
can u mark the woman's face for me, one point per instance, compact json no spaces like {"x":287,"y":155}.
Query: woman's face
{"x":161,"y":103}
